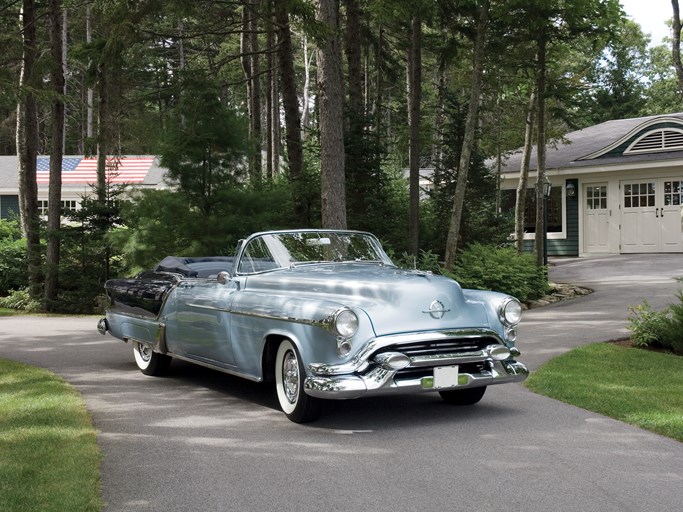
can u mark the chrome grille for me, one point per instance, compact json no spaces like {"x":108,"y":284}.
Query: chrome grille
{"x":416,"y":373}
{"x":435,"y":347}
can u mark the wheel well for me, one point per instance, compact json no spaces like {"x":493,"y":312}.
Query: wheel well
{"x":268,"y":358}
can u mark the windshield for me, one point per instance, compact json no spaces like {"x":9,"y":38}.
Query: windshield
{"x":271,"y":251}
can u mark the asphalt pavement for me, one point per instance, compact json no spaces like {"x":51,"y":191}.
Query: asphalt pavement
{"x":198,"y":440}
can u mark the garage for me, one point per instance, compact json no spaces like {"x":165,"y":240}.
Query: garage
{"x":621,"y":185}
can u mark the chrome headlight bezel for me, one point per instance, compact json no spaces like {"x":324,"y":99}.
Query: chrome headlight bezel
{"x":345,"y":323}
{"x":510,"y":312}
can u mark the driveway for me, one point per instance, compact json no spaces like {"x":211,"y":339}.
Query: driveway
{"x":200,"y":440}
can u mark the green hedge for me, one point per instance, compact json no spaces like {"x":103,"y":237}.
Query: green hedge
{"x":660,"y":329}
{"x":501,"y":269}
{"x":487,"y":267}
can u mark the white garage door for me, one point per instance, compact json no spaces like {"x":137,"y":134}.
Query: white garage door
{"x":651,"y":215}
{"x":595,"y":218}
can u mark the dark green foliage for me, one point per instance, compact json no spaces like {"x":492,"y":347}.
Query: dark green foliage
{"x":13,"y":257}
{"x":486,"y":267}
{"x":501,"y":269}
{"x":661,"y":329}
{"x":160,"y":223}
{"x":20,"y":300}
{"x":480,"y":221}
{"x":88,"y":256}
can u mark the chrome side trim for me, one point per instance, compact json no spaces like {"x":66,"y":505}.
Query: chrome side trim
{"x":218,"y":368}
{"x":202,"y":306}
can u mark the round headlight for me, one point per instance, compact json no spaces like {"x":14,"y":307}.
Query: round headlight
{"x":346,"y":323}
{"x":511,"y":312}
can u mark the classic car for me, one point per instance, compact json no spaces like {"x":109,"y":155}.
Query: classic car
{"x":324,"y":314}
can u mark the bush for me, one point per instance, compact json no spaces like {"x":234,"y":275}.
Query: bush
{"x":13,"y":257}
{"x":486,"y":267}
{"x":660,"y":329}
{"x":19,"y":299}
{"x":500,"y":269}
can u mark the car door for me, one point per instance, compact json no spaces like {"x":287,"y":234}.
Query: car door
{"x":202,"y":321}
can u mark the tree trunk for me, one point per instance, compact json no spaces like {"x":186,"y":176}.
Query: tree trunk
{"x":291,"y":108}
{"x":520,"y":203}
{"x":378,"y":99}
{"x":414,"y":63}
{"x":251,"y":66}
{"x":540,"y":153}
{"x":306,"y":92}
{"x":102,"y":130}
{"x":676,"y":44}
{"x":331,"y":92}
{"x":468,"y":137}
{"x":56,"y":152}
{"x":271,"y":99}
{"x":27,"y":148}
{"x":355,"y":163}
{"x":89,"y":94}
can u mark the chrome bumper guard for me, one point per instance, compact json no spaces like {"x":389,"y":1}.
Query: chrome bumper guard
{"x":380,"y":380}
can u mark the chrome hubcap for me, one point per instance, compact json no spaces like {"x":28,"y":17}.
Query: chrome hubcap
{"x":145,"y":352}
{"x":290,"y":376}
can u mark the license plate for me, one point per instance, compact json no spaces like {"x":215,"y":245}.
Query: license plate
{"x":446,"y":377}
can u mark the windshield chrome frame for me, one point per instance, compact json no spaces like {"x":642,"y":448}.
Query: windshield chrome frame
{"x":384,"y":259}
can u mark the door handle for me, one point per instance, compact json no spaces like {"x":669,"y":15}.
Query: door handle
{"x":657,"y":213}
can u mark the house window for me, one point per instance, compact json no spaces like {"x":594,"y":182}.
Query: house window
{"x":555,"y":217}
{"x":639,"y":195}
{"x":673,"y":193}
{"x":596,"y":198}
{"x":69,"y":205}
{"x":42,"y":208}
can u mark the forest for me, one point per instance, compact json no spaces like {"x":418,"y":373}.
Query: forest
{"x":298,"y":113}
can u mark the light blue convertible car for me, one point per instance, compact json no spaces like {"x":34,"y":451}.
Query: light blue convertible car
{"x":323,"y":314}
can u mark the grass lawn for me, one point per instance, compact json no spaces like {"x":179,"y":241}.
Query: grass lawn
{"x":632,"y":385}
{"x":7,"y":312}
{"x":49,"y":458}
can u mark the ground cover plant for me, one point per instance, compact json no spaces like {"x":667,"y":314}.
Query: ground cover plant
{"x":49,"y":458}
{"x":659,"y":329}
{"x":618,"y":382}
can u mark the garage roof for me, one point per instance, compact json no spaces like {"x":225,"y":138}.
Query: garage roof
{"x":640,"y":139}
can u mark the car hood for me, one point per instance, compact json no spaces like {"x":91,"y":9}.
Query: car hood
{"x":395,"y":300}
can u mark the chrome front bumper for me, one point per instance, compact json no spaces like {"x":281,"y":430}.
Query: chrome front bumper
{"x":398,"y":371}
{"x":381,"y":381}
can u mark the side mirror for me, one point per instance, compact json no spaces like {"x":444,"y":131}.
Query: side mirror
{"x":223,"y":277}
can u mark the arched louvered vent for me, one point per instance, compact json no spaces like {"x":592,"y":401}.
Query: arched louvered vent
{"x":668,"y":139}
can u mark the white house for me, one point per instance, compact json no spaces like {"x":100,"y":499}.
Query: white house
{"x":79,"y":174}
{"x":617,"y":187}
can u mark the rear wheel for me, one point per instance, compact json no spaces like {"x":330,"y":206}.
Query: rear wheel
{"x":150,"y":362}
{"x":289,"y":384}
{"x":469,"y":396}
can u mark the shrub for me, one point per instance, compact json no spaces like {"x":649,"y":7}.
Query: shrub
{"x":13,"y":265}
{"x":487,"y":267}
{"x":19,"y":299}
{"x":501,"y":269}
{"x":661,"y":329}
{"x":13,"y":262}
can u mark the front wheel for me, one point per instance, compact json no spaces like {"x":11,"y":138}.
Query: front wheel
{"x":289,"y":384}
{"x":469,"y":396}
{"x":150,"y":362}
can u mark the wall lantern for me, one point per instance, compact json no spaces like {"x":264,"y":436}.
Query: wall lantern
{"x":547,"y":186}
{"x":571,"y":189}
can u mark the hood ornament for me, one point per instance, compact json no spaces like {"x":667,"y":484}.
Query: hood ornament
{"x":437,"y":310}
